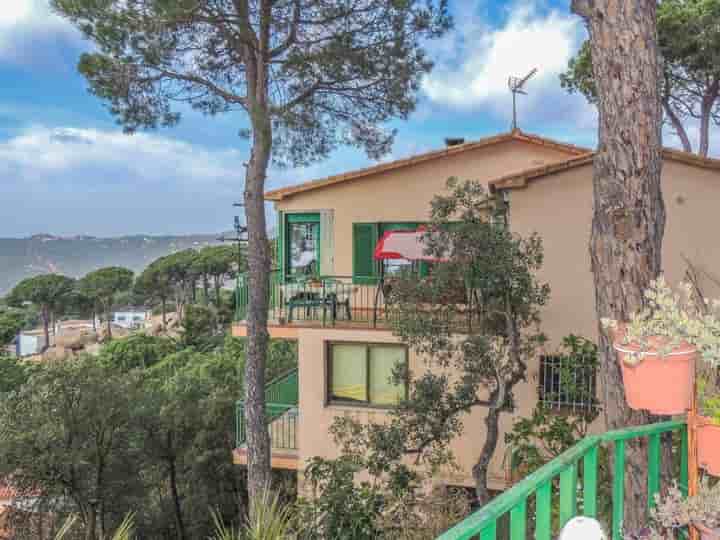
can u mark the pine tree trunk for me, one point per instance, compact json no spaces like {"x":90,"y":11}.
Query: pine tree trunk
{"x":629,"y":213}
{"x":108,"y":318}
{"x":46,"y":329}
{"x":480,"y":469}
{"x":706,"y":107}
{"x":258,"y":440}
{"x":172,"y":473}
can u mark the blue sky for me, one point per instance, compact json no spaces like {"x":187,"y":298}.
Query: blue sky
{"x":67,"y":168}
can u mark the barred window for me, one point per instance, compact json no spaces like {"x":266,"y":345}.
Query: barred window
{"x":568,"y":383}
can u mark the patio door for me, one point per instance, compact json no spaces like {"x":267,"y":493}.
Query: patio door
{"x":302,"y":235}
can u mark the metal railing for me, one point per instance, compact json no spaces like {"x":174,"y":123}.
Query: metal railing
{"x":322,"y":301}
{"x":568,"y":383}
{"x":282,"y":421}
{"x":281,"y":410}
{"x":563,"y":474}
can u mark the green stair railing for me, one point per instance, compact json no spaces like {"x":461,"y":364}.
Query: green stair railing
{"x":242,"y":293}
{"x":563,"y":471}
{"x":281,"y":401}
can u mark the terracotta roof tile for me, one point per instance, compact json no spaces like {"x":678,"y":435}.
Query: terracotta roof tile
{"x":517,"y":135}
{"x":521,"y":179}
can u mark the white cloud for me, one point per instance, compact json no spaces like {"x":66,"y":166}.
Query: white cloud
{"x":42,"y":153}
{"x":29,"y":26}
{"x":76,"y":180}
{"x":528,"y":38}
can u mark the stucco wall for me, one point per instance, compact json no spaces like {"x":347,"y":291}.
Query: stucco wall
{"x":559,"y":208}
{"x":316,"y":417}
{"x":405,"y":194}
{"x":393,"y":196}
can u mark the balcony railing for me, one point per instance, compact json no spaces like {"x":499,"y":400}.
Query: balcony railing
{"x":322,"y":301}
{"x":329,"y":301}
{"x":281,"y":409}
{"x":574,"y":474}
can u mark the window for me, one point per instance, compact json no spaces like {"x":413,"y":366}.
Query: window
{"x":366,"y":269}
{"x":362,"y":374}
{"x":303,"y":245}
{"x":568,"y":382}
{"x":121,"y":318}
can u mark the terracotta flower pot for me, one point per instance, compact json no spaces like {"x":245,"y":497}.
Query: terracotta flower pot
{"x":707,"y":533}
{"x":659,"y":384}
{"x":708,"y":440}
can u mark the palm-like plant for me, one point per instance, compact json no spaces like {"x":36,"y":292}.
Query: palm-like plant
{"x":124,"y":531}
{"x":269,"y":520}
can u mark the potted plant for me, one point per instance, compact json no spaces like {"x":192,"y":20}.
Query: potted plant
{"x":708,"y":431}
{"x":658,"y":346}
{"x":674,"y":512}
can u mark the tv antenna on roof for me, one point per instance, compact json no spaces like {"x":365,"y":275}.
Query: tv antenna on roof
{"x":516,"y":84}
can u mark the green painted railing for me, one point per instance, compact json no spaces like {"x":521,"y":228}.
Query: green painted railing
{"x":242,"y":294}
{"x":281,"y":400}
{"x":563,"y":471}
{"x":283,"y":389}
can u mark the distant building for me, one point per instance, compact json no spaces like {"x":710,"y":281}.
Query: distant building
{"x":131,"y":316}
{"x":29,"y":342}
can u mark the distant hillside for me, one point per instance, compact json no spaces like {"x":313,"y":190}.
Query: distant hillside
{"x":76,"y":256}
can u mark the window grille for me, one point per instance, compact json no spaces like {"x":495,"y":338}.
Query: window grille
{"x":568,"y":383}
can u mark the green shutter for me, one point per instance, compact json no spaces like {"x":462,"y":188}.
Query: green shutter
{"x":365,"y":269}
{"x":280,"y":246}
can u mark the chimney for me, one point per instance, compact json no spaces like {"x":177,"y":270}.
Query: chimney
{"x":454,"y":141}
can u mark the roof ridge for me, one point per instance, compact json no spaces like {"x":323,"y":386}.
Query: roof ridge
{"x":520,"y":179}
{"x":280,"y":193}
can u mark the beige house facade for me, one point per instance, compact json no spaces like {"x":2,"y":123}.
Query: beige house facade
{"x":327,"y":228}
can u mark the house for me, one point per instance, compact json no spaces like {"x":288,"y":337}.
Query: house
{"x":29,"y":342}
{"x":131,"y":316}
{"x":324,"y":293}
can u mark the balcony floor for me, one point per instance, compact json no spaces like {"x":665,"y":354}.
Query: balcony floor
{"x":279,"y":459}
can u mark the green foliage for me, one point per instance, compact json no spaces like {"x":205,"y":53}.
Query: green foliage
{"x":339,"y":507}
{"x":124,"y":532}
{"x":13,"y":374}
{"x":199,"y":326}
{"x":145,"y":427}
{"x":339,"y":70}
{"x":11,"y":322}
{"x":542,"y":437}
{"x":281,"y":357}
{"x":137,"y":351}
{"x":579,"y":76}
{"x":674,"y":512}
{"x":66,"y":434}
{"x":668,"y":320}
{"x":689,"y":41}
{"x":476,"y":348}
{"x":269,"y":519}
{"x":104,"y":284}
{"x":101,"y":288}
{"x":218,"y":264}
{"x":47,"y":291}
{"x":153,"y":284}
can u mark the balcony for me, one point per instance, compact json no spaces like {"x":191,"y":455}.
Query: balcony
{"x":326,"y":301}
{"x":542,"y":503}
{"x":281,"y":397}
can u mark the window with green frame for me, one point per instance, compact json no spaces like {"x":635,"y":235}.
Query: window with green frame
{"x":302,"y":245}
{"x":366,"y":270}
{"x":362,"y":373}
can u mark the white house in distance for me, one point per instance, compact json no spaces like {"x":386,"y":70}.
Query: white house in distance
{"x":131,"y":316}
{"x":29,"y":342}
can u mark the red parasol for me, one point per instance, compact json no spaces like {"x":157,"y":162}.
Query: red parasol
{"x":408,"y":245}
